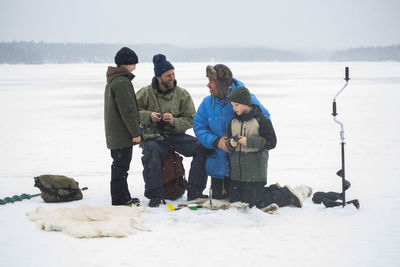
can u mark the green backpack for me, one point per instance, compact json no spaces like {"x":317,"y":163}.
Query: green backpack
{"x":58,"y":188}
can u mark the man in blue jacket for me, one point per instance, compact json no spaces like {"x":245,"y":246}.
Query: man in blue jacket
{"x":211,"y":125}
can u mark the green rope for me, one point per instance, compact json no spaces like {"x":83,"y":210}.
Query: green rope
{"x":16,"y":198}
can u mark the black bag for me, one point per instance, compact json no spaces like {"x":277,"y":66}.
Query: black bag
{"x":173,"y":176}
{"x":58,"y":188}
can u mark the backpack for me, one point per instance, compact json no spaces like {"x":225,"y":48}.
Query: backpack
{"x":58,"y":188}
{"x":173,"y":176}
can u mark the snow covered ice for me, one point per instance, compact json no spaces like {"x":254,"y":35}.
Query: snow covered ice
{"x":52,"y":122}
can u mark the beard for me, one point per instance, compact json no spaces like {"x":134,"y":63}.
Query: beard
{"x":167,"y":84}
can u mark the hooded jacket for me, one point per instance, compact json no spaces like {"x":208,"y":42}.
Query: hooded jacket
{"x":211,"y":122}
{"x":176,"y":101}
{"x":121,"y":117}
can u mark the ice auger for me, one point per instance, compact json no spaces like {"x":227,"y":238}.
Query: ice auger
{"x":333,"y":199}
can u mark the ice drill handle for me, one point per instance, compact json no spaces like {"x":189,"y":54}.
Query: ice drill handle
{"x":334,"y":108}
{"x":346,"y":71}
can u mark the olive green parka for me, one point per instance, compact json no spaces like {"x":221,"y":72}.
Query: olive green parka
{"x":176,"y":101}
{"x":121,"y":117}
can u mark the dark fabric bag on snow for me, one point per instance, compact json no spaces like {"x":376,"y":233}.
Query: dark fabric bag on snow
{"x":58,"y":188}
{"x":173,"y":176}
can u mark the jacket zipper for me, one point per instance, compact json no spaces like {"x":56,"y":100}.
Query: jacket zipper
{"x":240,"y":150}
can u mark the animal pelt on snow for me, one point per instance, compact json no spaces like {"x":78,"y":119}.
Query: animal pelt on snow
{"x":87,"y":221}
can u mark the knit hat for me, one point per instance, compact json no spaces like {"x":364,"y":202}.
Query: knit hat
{"x":161,"y":65}
{"x":223,"y":75}
{"x":241,"y":95}
{"x":126,"y":56}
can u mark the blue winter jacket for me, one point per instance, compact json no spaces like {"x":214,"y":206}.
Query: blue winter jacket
{"x":212,"y":121}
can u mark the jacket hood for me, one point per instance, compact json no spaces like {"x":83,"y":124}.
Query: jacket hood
{"x":113,"y":72}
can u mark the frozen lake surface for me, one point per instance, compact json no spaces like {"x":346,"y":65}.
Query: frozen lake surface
{"x":51,"y":121}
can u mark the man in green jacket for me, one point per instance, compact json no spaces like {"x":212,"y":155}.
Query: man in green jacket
{"x":122,"y":125}
{"x":166,"y":112}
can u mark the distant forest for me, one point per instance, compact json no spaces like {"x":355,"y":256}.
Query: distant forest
{"x":386,"y":53}
{"x":42,"y":53}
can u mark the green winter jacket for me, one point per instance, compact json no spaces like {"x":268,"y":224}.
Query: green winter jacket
{"x":250,"y":163}
{"x":176,"y":101}
{"x":121,"y":117}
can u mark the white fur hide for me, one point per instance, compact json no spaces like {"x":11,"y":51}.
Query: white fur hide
{"x":88,"y":222}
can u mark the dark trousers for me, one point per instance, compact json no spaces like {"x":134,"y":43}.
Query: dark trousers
{"x":119,"y":174}
{"x":220,"y":187}
{"x":256,"y":194}
{"x":153,"y":153}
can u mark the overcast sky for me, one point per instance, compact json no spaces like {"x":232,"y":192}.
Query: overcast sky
{"x":321,"y":24}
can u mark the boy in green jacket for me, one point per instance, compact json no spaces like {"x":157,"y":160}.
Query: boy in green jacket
{"x":121,"y":121}
{"x":251,"y":136}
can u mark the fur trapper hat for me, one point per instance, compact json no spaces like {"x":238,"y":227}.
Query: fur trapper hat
{"x":223,"y":75}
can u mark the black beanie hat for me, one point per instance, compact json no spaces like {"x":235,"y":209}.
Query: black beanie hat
{"x":126,"y":56}
{"x":241,"y":95}
{"x":223,"y":75}
{"x":161,"y":65}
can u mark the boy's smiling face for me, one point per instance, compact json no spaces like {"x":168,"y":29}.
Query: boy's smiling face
{"x":240,"y":108}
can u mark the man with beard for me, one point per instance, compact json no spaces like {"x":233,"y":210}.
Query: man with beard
{"x":166,"y":112}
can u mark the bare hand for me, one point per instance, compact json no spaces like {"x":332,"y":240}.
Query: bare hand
{"x":243,"y":141}
{"x":222,"y":145}
{"x":168,"y":117}
{"x":155,"y":116}
{"x":136,"y":140}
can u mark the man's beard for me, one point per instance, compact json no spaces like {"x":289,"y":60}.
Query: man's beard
{"x":166,"y":85}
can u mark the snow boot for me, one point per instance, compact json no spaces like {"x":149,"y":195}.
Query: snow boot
{"x":156,"y":201}
{"x":295,"y":200}
{"x":275,"y":186}
{"x":134,"y":202}
{"x":271,"y":209}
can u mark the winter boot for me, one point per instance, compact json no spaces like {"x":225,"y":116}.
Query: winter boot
{"x":134,"y":202}
{"x":156,"y":201}
{"x":295,"y":200}
{"x":275,"y":186}
{"x":271,"y":209}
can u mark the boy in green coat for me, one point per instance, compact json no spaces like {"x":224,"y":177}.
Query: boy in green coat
{"x":121,"y":121}
{"x":251,"y":136}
